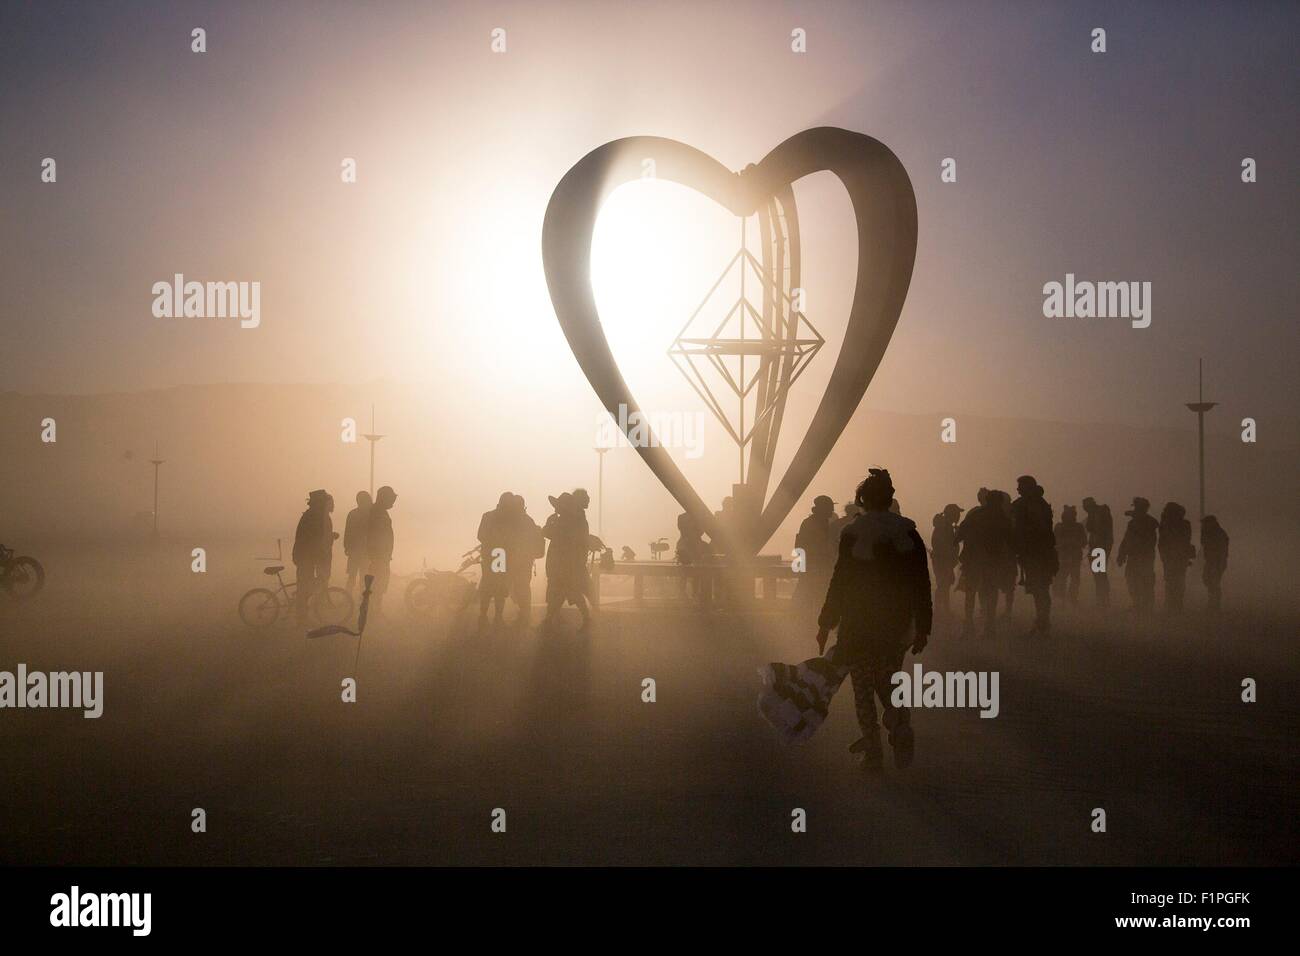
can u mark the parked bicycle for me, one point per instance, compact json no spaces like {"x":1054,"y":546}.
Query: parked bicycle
{"x":435,"y":592}
{"x":21,"y":577}
{"x":261,"y":607}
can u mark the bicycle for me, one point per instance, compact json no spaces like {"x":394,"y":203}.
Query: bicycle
{"x":434,"y":591}
{"x":261,"y":607}
{"x":21,"y":577}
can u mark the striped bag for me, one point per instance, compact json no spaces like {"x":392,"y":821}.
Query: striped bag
{"x":796,"y":697}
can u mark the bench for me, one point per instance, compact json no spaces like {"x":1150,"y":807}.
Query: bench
{"x":765,"y":568}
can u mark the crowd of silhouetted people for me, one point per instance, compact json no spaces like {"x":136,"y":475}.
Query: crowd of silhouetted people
{"x":985,"y":553}
{"x":1002,"y":544}
{"x":367,"y":546}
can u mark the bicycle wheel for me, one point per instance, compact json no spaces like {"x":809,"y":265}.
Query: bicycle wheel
{"x":259,"y":608}
{"x":25,"y":578}
{"x":332,"y":607}
{"x":421,"y":598}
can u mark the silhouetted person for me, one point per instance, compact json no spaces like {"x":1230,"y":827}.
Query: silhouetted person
{"x":310,"y":549}
{"x":1035,"y":546}
{"x":1071,"y":539}
{"x":1214,"y":552}
{"x":524,"y":545}
{"x":944,"y":554}
{"x":814,"y":538}
{"x":1008,"y":567}
{"x":1176,"y":553}
{"x":851,"y":511}
{"x":354,"y":539}
{"x":1137,"y":555}
{"x":985,"y":539}
{"x":379,"y":546}
{"x":1101,"y":534}
{"x":728,"y":522}
{"x":494,"y":562}
{"x":326,"y":566}
{"x":879,"y":592}
{"x":566,"y":557}
{"x":691,"y":551}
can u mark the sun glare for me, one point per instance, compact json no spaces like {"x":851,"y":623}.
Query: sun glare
{"x":657,"y":249}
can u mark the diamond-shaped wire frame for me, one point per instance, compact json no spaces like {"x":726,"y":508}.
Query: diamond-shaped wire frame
{"x":695,"y":354}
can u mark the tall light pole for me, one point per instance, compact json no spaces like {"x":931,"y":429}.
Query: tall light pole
{"x":155,"y":461}
{"x":600,"y":492}
{"x":1200,"y":407}
{"x":372,"y":438}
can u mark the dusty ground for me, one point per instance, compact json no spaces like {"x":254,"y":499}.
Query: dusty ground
{"x":1143,"y":719}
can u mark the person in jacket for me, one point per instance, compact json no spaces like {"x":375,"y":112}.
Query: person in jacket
{"x":1214,"y":552}
{"x":379,"y":546}
{"x":1071,"y":539}
{"x":944,"y":554}
{"x":312,"y":542}
{"x":1137,"y":554}
{"x":1101,"y":535}
{"x":354,"y":539}
{"x":879,"y":602}
{"x":567,"y":580}
{"x":1035,"y":548}
{"x":985,"y":539}
{"x":814,"y":540}
{"x":1176,"y":553}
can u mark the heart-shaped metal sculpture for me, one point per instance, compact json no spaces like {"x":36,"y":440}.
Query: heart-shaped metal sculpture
{"x":884,"y":207}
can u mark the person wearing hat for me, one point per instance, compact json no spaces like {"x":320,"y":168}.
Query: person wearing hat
{"x":566,"y":557}
{"x":312,"y":542}
{"x":943,"y":554}
{"x":1035,"y":547}
{"x":379,"y":546}
{"x":814,"y":539}
{"x":1137,"y":554}
{"x":1214,"y":550}
{"x":1176,"y":553}
{"x":1101,"y":535}
{"x":1071,"y":537}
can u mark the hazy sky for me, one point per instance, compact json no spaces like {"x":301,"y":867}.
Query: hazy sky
{"x":226,"y":166}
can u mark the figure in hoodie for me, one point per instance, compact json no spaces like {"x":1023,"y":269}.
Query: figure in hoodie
{"x":879,"y":600}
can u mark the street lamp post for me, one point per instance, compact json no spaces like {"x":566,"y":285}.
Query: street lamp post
{"x":1200,"y":407}
{"x":600,"y":493}
{"x":155,"y":461}
{"x":372,"y":438}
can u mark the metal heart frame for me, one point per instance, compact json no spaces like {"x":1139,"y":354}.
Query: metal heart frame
{"x":884,"y":206}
